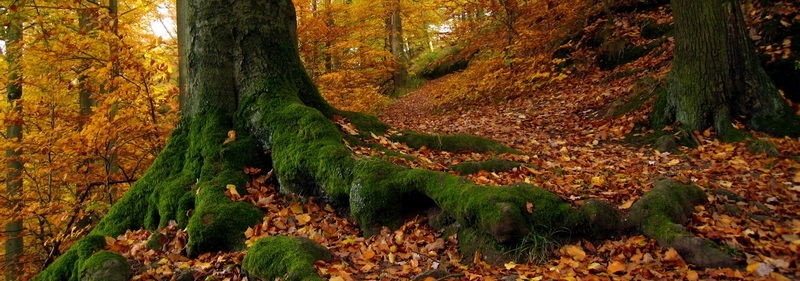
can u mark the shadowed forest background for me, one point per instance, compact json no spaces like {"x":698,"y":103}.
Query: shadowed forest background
{"x":566,"y":85}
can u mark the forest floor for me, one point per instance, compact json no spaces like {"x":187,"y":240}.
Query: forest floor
{"x":581,"y":152}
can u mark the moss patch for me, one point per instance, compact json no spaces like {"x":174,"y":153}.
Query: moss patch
{"x":285,"y":258}
{"x":453,"y":143}
{"x":491,"y":165}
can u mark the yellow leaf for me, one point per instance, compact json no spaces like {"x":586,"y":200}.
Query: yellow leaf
{"x":626,"y":205}
{"x":249,"y":232}
{"x":691,"y":275}
{"x":231,"y":137}
{"x":529,"y":207}
{"x":575,"y":252}
{"x":296,"y":208}
{"x":302,"y":219}
{"x":232,"y":189}
{"x":510,"y":265}
{"x":673,"y":162}
{"x":598,"y":181}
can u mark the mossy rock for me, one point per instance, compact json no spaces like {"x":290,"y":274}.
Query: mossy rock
{"x":472,"y":242}
{"x":599,"y":219}
{"x":495,"y":165}
{"x":666,"y":143}
{"x":453,"y":143}
{"x":156,"y":241}
{"x":761,"y":146}
{"x":105,"y":266}
{"x":285,"y":258}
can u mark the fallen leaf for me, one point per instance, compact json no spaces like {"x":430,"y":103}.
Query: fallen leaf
{"x":231,"y":137}
{"x":303,"y":219}
{"x":296,"y":208}
{"x":510,"y":265}
{"x":575,"y":252}
{"x":529,"y":207}
{"x":616,"y":267}
{"x":692,"y":275}
{"x":232,"y":189}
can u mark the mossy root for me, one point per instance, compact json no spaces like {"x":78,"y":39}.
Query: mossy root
{"x":660,"y":215}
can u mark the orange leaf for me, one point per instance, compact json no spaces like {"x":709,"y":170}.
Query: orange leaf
{"x":616,"y":267}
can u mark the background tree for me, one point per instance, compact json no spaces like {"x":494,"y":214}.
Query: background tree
{"x":12,"y":36}
{"x":716,"y":79}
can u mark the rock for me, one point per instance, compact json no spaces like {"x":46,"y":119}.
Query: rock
{"x":436,"y":274}
{"x":730,"y":195}
{"x":666,"y":143}
{"x":184,"y":275}
{"x":732,"y":209}
{"x":761,"y":218}
{"x":105,"y":266}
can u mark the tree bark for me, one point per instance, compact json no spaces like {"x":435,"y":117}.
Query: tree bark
{"x":394,"y":26}
{"x":13,"y":230}
{"x":716,"y":78}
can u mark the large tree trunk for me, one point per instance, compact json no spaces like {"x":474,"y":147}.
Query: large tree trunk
{"x":13,"y":246}
{"x":716,"y":78}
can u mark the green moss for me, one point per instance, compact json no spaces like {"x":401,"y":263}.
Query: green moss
{"x":453,"y":143}
{"x":597,"y":219}
{"x":105,"y":266}
{"x":285,"y":258}
{"x":491,"y":165}
{"x":471,"y":241}
{"x":365,"y":123}
{"x":376,"y":197}
{"x":759,"y":146}
{"x":67,"y":266}
{"x":308,"y":154}
{"x":661,"y":211}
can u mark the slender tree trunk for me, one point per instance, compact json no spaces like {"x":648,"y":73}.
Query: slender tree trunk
{"x":182,"y":26}
{"x":716,"y":78}
{"x":394,"y":26}
{"x":85,"y":100}
{"x":14,"y":244}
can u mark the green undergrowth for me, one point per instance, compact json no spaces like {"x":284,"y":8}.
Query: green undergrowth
{"x":284,"y":258}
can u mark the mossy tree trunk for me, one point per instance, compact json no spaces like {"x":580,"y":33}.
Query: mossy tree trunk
{"x":716,"y":77}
